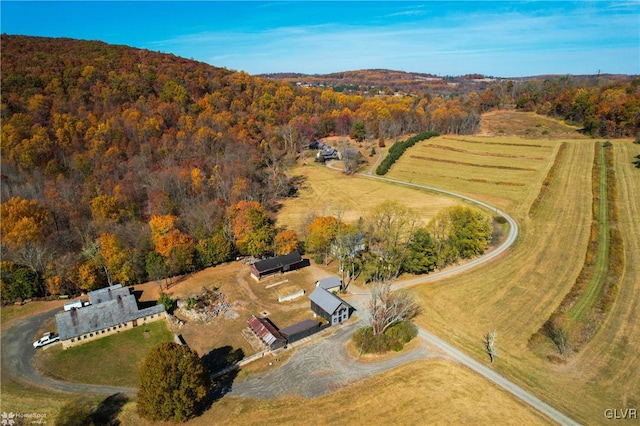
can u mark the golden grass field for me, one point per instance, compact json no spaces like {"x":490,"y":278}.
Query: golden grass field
{"x":326,"y":192}
{"x":514,"y":294}
{"x":424,"y":392}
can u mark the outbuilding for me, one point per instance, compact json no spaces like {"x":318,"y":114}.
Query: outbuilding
{"x":303,"y":329}
{"x":267,"y":332}
{"x":331,"y":284}
{"x":278,"y":264}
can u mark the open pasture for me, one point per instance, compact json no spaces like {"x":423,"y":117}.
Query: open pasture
{"x":328,"y":192}
{"x":518,"y":293}
{"x":506,"y":171}
{"x":428,"y":391}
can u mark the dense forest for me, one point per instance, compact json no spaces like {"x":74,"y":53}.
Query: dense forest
{"x":121,"y":165}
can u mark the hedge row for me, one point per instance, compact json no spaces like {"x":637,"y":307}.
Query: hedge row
{"x":398,"y":148}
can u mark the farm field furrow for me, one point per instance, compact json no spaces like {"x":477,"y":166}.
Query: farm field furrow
{"x":610,"y":362}
{"x":506,"y":172}
{"x":516,"y":294}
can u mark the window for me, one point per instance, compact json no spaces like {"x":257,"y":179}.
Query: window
{"x":90,"y":334}
{"x":73,"y":340}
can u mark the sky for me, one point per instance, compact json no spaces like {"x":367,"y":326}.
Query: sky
{"x":494,"y":38}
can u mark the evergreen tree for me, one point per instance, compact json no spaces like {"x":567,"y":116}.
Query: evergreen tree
{"x":173,"y":383}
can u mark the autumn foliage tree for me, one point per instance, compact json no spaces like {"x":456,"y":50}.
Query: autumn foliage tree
{"x":285,"y":242}
{"x":251,"y":228}
{"x":320,"y":234}
{"x":24,"y":223}
{"x":173,"y":383}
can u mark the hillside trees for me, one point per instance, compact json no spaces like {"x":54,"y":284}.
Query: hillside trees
{"x":103,"y":138}
{"x":251,"y":228}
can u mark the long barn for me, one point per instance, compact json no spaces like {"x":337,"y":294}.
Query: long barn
{"x":278,"y":264}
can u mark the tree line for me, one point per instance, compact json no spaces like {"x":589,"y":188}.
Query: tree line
{"x":124,"y":165}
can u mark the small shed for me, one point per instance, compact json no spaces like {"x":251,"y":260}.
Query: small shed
{"x":329,"y":306}
{"x":331,"y":284}
{"x":303,"y":329}
{"x":278,"y":264}
{"x":267,"y":332}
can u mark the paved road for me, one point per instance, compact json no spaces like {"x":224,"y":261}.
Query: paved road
{"x":18,"y":355}
{"x":496,"y":378}
{"x":451,"y":351}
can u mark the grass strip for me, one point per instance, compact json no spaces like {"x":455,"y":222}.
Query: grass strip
{"x":462,"y":163}
{"x":548,"y":180}
{"x":585,"y":307}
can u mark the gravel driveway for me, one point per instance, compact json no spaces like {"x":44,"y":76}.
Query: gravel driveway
{"x":320,"y":368}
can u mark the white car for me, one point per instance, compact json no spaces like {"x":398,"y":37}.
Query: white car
{"x":46,"y":339}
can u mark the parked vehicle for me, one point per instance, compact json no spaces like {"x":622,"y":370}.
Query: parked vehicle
{"x":46,"y":339}
{"x":76,"y":304}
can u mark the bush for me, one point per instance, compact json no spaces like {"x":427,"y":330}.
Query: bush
{"x":393,"y":339}
{"x":168,"y":302}
{"x":398,"y":148}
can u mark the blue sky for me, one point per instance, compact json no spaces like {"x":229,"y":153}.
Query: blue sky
{"x":505,"y":39}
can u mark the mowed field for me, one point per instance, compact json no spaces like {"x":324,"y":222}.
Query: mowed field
{"x":517,"y":293}
{"x":327,"y":192}
{"x":507,"y":172}
{"x":433,"y":391}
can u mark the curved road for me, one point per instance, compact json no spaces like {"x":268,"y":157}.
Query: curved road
{"x":18,"y":353}
{"x":462,"y":358}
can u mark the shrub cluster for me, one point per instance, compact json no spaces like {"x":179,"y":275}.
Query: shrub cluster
{"x":398,"y":148}
{"x":394,"y":338}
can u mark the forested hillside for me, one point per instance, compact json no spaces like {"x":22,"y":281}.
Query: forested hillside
{"x":121,"y":165}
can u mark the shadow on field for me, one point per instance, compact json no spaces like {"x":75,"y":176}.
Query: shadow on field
{"x":220,"y":363}
{"x":107,"y":411}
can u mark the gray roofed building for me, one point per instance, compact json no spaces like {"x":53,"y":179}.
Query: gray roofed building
{"x":107,"y":293}
{"x":330,"y":283}
{"x":113,"y":310}
{"x":329,"y":306}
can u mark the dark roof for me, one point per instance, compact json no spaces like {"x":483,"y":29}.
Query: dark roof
{"x":99,"y":316}
{"x":299,"y":327}
{"x":264,"y":329}
{"x":328,"y":302}
{"x":277,"y":262}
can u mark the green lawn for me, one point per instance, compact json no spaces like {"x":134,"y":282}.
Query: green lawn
{"x":113,"y":360}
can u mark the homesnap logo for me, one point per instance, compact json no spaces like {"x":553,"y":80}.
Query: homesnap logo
{"x":7,"y":418}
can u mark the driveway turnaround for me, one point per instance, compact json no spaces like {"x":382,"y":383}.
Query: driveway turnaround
{"x":319,"y":368}
{"x":18,"y":354}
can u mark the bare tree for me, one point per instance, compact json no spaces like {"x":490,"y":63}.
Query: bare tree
{"x":388,"y":308}
{"x":490,"y":339}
